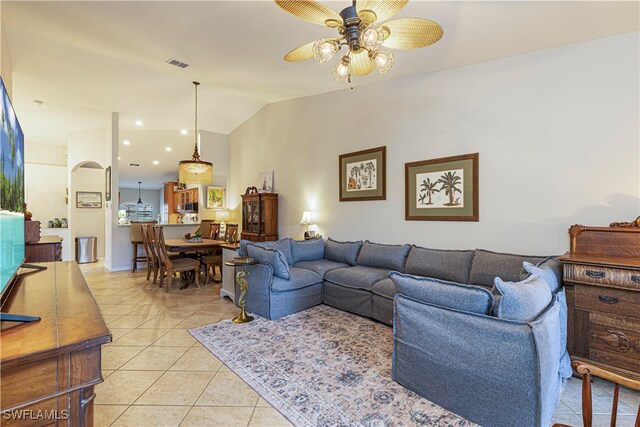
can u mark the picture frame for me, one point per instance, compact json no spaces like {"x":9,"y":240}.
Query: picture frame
{"x":88,"y":199}
{"x":107,"y":184}
{"x":363,"y":175}
{"x":216,"y":197}
{"x":443,"y":189}
{"x":265,"y":182}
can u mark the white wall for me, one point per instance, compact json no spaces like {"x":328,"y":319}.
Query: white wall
{"x":214,"y":148}
{"x":6,"y":67}
{"x":89,"y":221}
{"x":557,"y":132}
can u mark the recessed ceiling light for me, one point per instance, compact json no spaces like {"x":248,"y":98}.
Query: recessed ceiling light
{"x":155,"y":162}
{"x":167,"y":149}
{"x":139,"y":123}
{"x":183,"y":131}
{"x":118,"y":157}
{"x":126,"y":142}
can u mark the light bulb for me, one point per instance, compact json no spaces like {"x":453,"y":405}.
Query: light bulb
{"x":383,"y":61}
{"x":342,"y":71}
{"x":324,"y":49}
{"x":372,"y":37}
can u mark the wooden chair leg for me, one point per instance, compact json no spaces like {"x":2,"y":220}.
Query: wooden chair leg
{"x":134,"y":260}
{"x":170,"y":283}
{"x":149,"y":267}
{"x":162,"y":271}
{"x":587,"y":408}
{"x":155,"y":273}
{"x":196,"y":277}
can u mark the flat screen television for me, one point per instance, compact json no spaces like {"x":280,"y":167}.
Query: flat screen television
{"x":12,"y":245}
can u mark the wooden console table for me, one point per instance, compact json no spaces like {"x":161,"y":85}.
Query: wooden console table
{"x":48,"y":369}
{"x":48,"y":248}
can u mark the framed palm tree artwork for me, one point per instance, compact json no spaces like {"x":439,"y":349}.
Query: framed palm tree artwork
{"x":444,"y":189}
{"x":363,"y":175}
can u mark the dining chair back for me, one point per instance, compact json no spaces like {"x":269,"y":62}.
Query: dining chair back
{"x":231,"y":233}
{"x":170,"y":266}
{"x":135,"y":234}
{"x":589,"y":371}
{"x":214,"y":232}
{"x":205,"y":228}
{"x":152,"y":258}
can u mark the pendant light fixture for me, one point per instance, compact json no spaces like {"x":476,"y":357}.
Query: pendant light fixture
{"x":139,"y":202}
{"x":195,"y":171}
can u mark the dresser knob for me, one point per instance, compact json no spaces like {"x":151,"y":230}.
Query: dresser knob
{"x":635,"y":278}
{"x":607,"y":299}
{"x":595,"y":274}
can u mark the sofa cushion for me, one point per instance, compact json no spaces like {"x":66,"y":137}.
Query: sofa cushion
{"x":345,"y":252}
{"x":298,"y":278}
{"x":487,"y":265}
{"x":472,"y":299}
{"x":361,"y":277}
{"x":448,"y":265}
{"x":547,"y":274}
{"x":522,"y":301}
{"x":378,"y":255}
{"x":273,"y":257}
{"x":385,"y":288}
{"x":320,"y":266}
{"x":282,"y":245}
{"x":307,"y":250}
{"x":242,"y":250}
{"x":553,"y":263}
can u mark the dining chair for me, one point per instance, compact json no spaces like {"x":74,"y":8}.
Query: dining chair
{"x":213,"y":259}
{"x":135,"y":234}
{"x":204,"y":228}
{"x":231,"y":233}
{"x":170,"y":266}
{"x":588,"y":371}
{"x":152,"y":258}
{"x":214,"y":231}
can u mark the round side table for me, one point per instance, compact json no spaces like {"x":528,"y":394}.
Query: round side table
{"x":238,"y":263}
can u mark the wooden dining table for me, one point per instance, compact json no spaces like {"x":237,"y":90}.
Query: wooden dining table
{"x":184,"y":246}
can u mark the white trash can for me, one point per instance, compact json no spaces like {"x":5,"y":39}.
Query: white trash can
{"x":86,"y":249}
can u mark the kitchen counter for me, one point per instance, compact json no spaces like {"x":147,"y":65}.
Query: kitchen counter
{"x":166,"y":225}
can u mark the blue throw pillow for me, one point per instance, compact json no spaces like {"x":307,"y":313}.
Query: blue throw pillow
{"x":391,"y":257}
{"x":282,"y":245}
{"x":546,"y":273}
{"x":272,"y":257}
{"x":344,"y":252}
{"x":472,"y":299}
{"x":522,"y":301}
{"x":307,"y":250}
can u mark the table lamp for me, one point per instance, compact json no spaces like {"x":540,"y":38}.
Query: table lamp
{"x":308,"y":220}
{"x":222,"y":216}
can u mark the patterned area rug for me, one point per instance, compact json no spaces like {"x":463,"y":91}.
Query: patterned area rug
{"x":323,"y":367}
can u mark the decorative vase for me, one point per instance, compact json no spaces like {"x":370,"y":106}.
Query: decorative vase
{"x":64,"y":223}
{"x":50,"y":224}
{"x":57,"y":223}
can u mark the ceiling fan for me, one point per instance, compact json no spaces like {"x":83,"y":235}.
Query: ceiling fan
{"x":363,"y":28}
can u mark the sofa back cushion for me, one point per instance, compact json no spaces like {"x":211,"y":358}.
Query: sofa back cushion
{"x":345,"y":252}
{"x":282,"y":245}
{"x":273,"y":257}
{"x":522,"y":301}
{"x":487,"y":265}
{"x":472,"y":299}
{"x":307,"y":250}
{"x":448,"y":265}
{"x":391,"y":257}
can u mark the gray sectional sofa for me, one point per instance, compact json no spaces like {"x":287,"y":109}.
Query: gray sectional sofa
{"x":480,"y":333}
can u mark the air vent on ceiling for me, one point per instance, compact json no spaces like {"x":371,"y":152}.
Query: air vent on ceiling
{"x":134,"y":165}
{"x":177,"y":63}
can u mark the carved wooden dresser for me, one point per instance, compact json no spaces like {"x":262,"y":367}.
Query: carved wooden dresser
{"x":602,"y":281}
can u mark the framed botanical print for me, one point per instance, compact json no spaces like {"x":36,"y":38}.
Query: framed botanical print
{"x":363,"y":175}
{"x":215,"y":198}
{"x":444,"y":189}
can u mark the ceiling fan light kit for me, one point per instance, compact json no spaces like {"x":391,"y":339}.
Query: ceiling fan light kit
{"x":195,"y":171}
{"x":363,"y":28}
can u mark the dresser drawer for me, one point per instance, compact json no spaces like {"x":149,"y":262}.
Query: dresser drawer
{"x":607,"y":300}
{"x":598,"y":275}
{"x":614,"y":340}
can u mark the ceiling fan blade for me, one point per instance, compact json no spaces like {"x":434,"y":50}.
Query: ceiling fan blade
{"x":300,"y":53}
{"x":411,"y":33}
{"x":311,"y":11}
{"x":361,"y":64}
{"x":378,"y":10}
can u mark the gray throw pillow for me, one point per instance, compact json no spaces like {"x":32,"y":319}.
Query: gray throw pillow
{"x":472,"y":299}
{"x":546,"y":273}
{"x":307,"y":250}
{"x":344,"y":252}
{"x":522,"y":301}
{"x":391,"y":257}
{"x":272,"y":257}
{"x":283,"y":245}
{"x":441,"y":264}
{"x":488,"y":265}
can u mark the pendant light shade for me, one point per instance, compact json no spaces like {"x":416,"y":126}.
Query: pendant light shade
{"x":139,"y":193}
{"x":195,"y":171}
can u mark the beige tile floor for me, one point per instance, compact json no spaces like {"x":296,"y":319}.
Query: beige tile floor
{"x":156,"y":374}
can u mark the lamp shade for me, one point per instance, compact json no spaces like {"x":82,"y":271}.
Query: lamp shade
{"x":307,"y":218}
{"x":195,"y":172}
{"x":222,"y":216}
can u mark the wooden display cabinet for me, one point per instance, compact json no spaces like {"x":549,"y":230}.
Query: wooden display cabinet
{"x":602,"y":282}
{"x":259,"y":216}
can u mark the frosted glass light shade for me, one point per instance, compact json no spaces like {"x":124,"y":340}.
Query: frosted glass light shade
{"x":222,"y":216}
{"x":307,"y":218}
{"x":324,"y":49}
{"x":383,"y":61}
{"x":372,"y":37}
{"x":342,"y":71}
{"x":195,"y":172}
